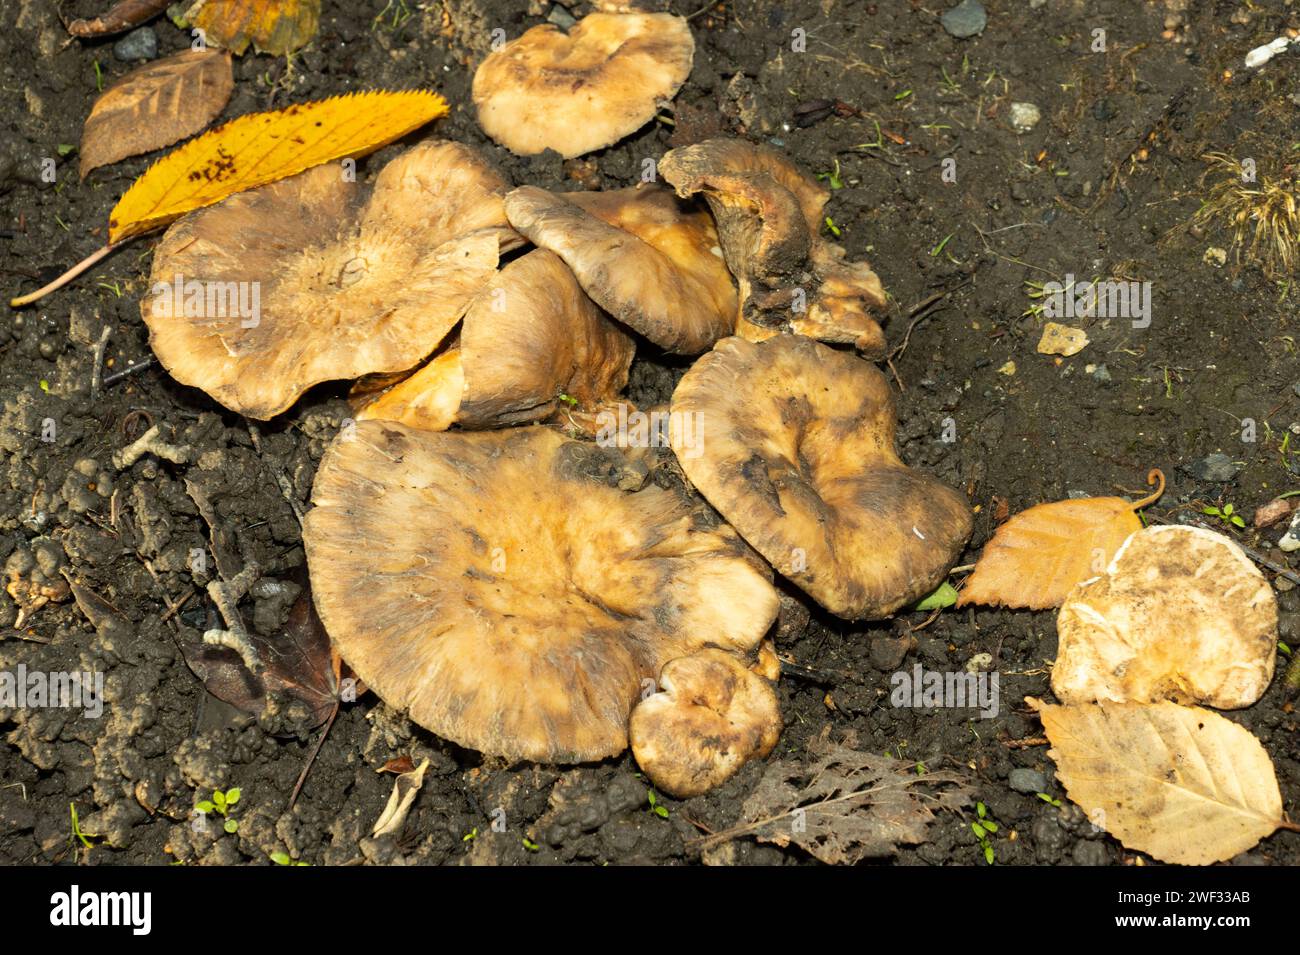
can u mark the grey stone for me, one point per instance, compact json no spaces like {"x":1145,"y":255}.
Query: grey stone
{"x":1090,"y":852}
{"x":1028,"y":781}
{"x":138,"y":45}
{"x":967,"y":19}
{"x":1216,"y":467}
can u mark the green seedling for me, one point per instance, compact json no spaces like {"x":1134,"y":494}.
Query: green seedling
{"x":830,"y":224}
{"x":984,"y":827}
{"x":283,"y":858}
{"x":656,"y":807}
{"x":530,"y":845}
{"x":222,"y":803}
{"x":77,"y":834}
{"x":1225,"y":514}
{"x":1049,"y":800}
{"x":944,"y":596}
{"x":832,"y":178}
{"x":470,"y":836}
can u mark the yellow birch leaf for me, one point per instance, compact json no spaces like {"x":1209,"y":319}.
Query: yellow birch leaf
{"x":1035,"y":559}
{"x":1180,"y":783}
{"x":276,"y":27}
{"x":264,"y":147}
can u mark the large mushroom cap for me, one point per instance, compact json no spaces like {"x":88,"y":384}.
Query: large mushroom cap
{"x":711,"y":715}
{"x":343,"y":285}
{"x":582,"y":91}
{"x":793,"y":443}
{"x":1180,"y":614}
{"x":503,"y":590}
{"x":769,"y":217}
{"x":531,"y":336}
{"x":640,"y":256}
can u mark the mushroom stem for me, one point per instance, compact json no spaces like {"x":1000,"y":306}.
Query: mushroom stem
{"x":63,"y":279}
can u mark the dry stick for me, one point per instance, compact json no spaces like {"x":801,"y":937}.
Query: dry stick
{"x":97,"y":373}
{"x":117,"y":376}
{"x":1026,"y":743}
{"x":63,"y":279}
{"x":311,"y":757}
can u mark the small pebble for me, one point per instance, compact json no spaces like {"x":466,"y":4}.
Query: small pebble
{"x":1217,"y":467}
{"x":141,"y":44}
{"x":1024,"y":117}
{"x":1028,"y":781}
{"x":967,"y":19}
{"x":1090,"y":852}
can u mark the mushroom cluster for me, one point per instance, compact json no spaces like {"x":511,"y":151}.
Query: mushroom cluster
{"x":475,"y":556}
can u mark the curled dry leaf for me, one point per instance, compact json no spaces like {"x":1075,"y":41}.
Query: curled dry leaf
{"x":259,"y":148}
{"x":1035,"y":559}
{"x":121,"y":16}
{"x":1180,"y":614}
{"x":155,"y":106}
{"x":1179,"y":783}
{"x":846,"y":805}
{"x":405,"y":788}
{"x":276,"y":27}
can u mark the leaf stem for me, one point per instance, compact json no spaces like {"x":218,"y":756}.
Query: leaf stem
{"x":63,"y":279}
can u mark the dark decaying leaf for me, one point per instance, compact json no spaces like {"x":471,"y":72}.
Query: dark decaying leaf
{"x":297,"y":663}
{"x":155,"y":106}
{"x":123,"y":15}
{"x":846,"y":805}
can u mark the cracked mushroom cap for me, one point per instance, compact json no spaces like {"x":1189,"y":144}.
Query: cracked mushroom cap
{"x":530,"y":336}
{"x":580,"y":92}
{"x":501,"y":588}
{"x":1180,"y":614}
{"x":769,"y":217}
{"x":274,"y":290}
{"x":641,"y":256}
{"x":793,"y":443}
{"x":712,"y":715}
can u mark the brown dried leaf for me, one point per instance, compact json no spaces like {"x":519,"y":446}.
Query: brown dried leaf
{"x":848,"y":805}
{"x":405,"y":788}
{"x":155,"y":106}
{"x":121,"y":16}
{"x":1035,"y":559}
{"x":1179,"y":783}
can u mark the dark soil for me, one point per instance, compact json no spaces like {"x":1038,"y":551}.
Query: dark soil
{"x":1104,"y":185}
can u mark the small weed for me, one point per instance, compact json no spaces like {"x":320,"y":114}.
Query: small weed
{"x":1050,"y":800}
{"x":283,"y":858}
{"x":1227,"y":514}
{"x":656,"y":807}
{"x":222,"y":803}
{"x":77,"y":835}
{"x":984,"y":827}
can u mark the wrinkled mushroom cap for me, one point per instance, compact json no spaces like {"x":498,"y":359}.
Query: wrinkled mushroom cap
{"x":531,"y":336}
{"x":655,"y":271}
{"x":769,"y":217}
{"x":345,"y":285}
{"x":793,"y":443}
{"x":500,"y":587}
{"x":1180,"y":614}
{"x":582,"y":91}
{"x":712,"y":715}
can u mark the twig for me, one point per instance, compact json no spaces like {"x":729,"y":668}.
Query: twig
{"x":63,"y":279}
{"x":151,"y":443}
{"x":129,"y":370}
{"x":920,"y":311}
{"x":1026,"y":743}
{"x":96,"y":373}
{"x":311,"y":757}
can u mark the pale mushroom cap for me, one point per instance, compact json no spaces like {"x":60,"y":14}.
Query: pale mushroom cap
{"x":530,"y":336}
{"x":500,"y":588}
{"x":769,"y":217}
{"x":1180,"y":614}
{"x":582,"y":91}
{"x":712,"y":715}
{"x":793,"y":443}
{"x":666,"y":285}
{"x":342,"y":286}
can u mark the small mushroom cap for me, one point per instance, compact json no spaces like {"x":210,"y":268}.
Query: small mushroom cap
{"x":793,"y":443}
{"x":712,"y":715}
{"x":769,"y":217}
{"x":1180,"y":614}
{"x":659,"y":276}
{"x":334,"y":285}
{"x":582,"y":91}
{"x":530,"y":336}
{"x":499,"y":586}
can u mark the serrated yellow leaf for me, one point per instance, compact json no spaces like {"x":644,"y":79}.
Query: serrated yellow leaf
{"x":264,"y":147}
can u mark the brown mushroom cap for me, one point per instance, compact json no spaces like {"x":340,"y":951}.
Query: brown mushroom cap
{"x":1180,"y":614}
{"x":712,"y":715}
{"x":500,"y":588}
{"x":582,"y":91}
{"x":769,"y":217}
{"x":793,"y":443}
{"x":530,"y":336}
{"x":655,"y":271}
{"x":346,"y":285}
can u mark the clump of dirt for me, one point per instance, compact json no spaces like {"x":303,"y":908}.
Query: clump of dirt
{"x":875,"y":98}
